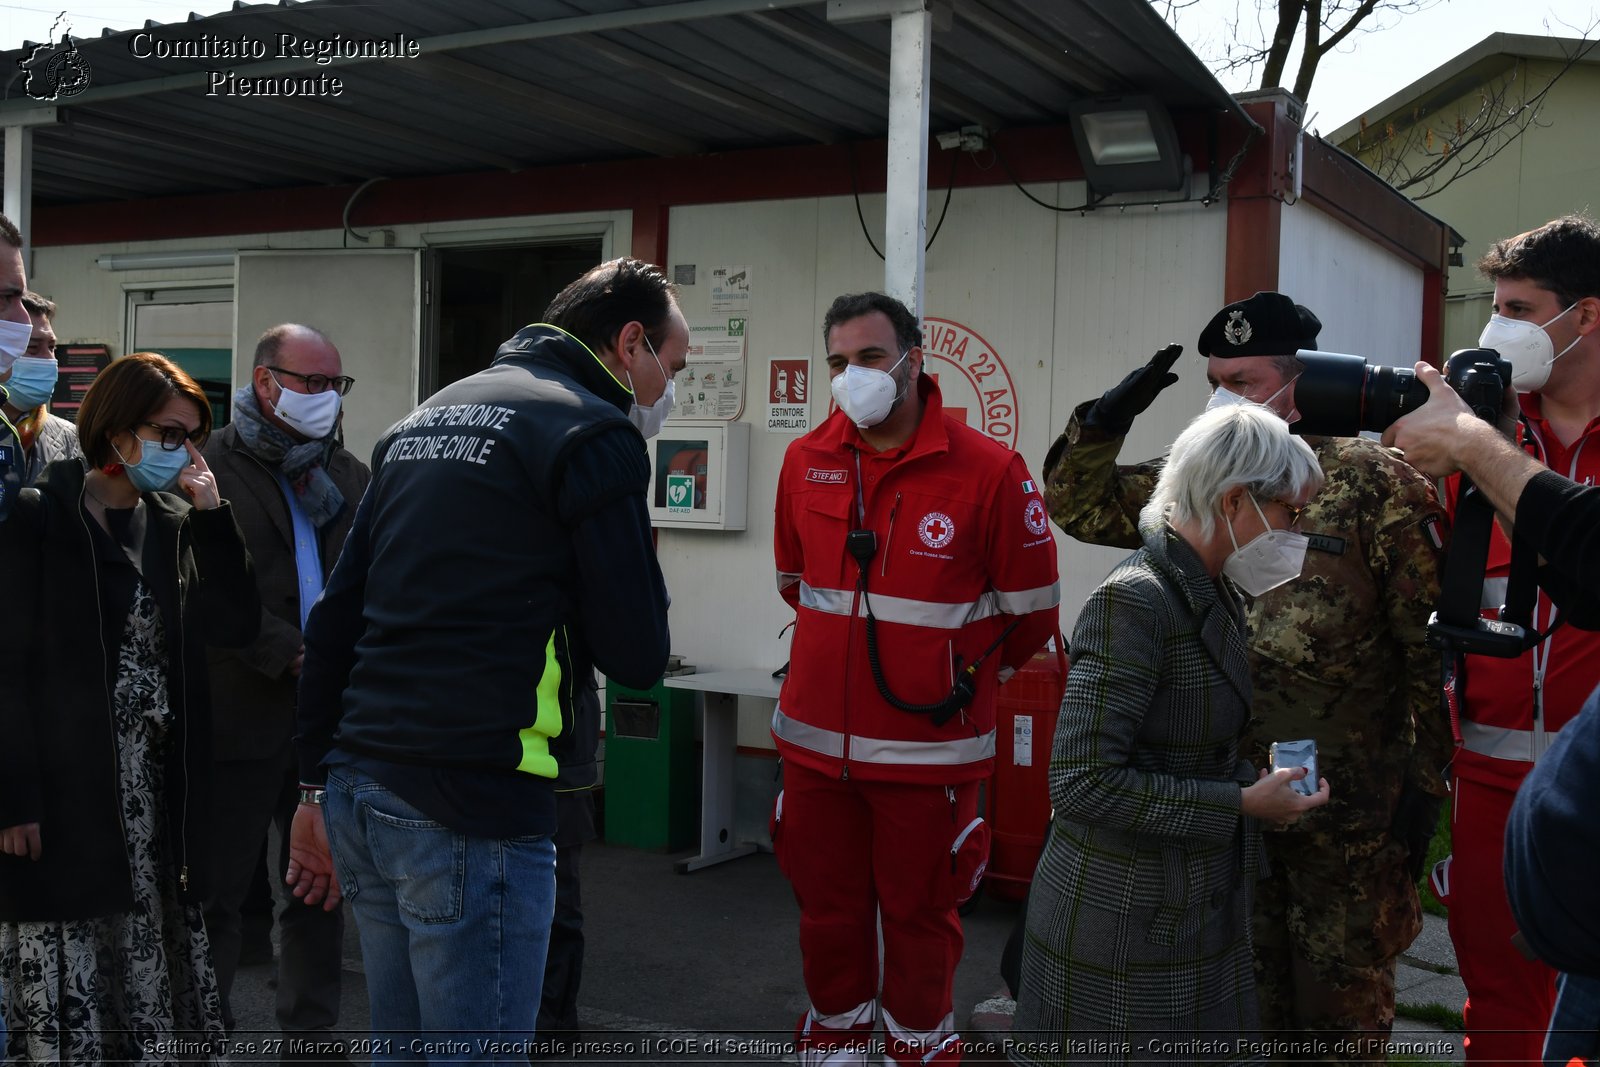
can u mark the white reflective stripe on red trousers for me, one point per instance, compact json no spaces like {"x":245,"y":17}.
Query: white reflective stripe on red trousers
{"x":884,"y":750}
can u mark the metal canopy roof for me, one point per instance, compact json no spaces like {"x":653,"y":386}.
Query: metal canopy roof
{"x":513,"y":84}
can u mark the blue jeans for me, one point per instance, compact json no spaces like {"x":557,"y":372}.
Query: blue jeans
{"x":453,"y":928}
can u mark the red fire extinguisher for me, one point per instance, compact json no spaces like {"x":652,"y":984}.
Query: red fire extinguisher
{"x":1026,"y":710}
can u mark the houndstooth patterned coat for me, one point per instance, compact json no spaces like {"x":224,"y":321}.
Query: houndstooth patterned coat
{"x":1138,"y":936}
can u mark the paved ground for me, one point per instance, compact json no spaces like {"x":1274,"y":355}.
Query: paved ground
{"x":705,"y":967}
{"x":674,"y":961}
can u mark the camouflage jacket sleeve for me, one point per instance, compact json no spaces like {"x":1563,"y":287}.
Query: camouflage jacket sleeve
{"x":1406,"y":547}
{"x":1090,"y":496}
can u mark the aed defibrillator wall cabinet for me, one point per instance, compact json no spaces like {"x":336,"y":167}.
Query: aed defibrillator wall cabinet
{"x":699,"y":474}
{"x":652,"y":771}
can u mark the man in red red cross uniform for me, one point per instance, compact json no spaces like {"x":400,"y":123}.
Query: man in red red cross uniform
{"x":1547,"y":324}
{"x":918,"y":556}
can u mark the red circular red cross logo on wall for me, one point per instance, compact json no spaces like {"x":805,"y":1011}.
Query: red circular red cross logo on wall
{"x":976,"y":385}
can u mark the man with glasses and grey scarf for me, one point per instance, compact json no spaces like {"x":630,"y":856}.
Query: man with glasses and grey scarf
{"x":294,"y":489}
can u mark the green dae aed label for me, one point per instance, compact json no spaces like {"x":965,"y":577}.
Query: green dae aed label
{"x":680,"y":493}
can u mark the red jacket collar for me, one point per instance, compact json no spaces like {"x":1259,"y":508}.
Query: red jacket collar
{"x":931,"y":438}
{"x":1533,"y":408}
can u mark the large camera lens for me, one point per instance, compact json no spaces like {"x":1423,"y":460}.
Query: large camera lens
{"x":1339,"y":395}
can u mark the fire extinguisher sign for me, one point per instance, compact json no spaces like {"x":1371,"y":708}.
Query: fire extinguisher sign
{"x":1022,"y":741}
{"x":789,"y":396}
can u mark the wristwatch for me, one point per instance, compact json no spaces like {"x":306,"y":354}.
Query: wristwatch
{"x":313,"y":794}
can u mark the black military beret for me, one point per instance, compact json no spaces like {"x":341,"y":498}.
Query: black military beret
{"x":1268,"y":324}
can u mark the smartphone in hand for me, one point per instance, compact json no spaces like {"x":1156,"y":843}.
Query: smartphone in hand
{"x":1287,"y":755}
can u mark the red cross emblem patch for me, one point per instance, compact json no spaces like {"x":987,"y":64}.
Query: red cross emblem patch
{"x":936,"y":529}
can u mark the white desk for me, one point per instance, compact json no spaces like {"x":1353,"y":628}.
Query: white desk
{"x":719,"y":693}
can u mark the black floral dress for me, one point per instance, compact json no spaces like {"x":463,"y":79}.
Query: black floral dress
{"x":136,"y":987}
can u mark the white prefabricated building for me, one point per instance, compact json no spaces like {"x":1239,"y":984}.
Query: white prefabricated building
{"x":764,"y":154}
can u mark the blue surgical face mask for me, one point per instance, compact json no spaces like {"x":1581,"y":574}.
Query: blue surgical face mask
{"x":32,"y":382}
{"x":157,"y":469}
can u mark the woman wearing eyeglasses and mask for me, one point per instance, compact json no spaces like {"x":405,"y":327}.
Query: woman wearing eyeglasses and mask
{"x":1137,"y":939}
{"x":123,"y":573}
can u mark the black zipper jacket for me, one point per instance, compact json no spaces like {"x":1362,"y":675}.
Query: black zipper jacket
{"x":252,"y":687}
{"x":501,"y":553}
{"x":58,"y":754}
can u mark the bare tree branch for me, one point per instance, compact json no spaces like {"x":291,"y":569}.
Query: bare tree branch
{"x":1317,"y":27}
{"x":1422,"y":153}
{"x":1426,"y":153}
{"x":1172,"y":7}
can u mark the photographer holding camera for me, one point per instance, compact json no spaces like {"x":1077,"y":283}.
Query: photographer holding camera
{"x":1560,"y":518}
{"x":1337,"y":656}
{"x":1547,"y":325}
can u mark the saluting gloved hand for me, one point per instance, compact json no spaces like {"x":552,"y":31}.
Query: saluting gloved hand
{"x":1122,"y":403}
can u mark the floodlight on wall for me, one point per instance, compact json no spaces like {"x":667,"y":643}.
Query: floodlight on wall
{"x":1126,"y":144}
{"x":211,"y":257}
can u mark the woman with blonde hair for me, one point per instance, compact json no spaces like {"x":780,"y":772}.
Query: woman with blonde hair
{"x":1137,"y":942}
{"x":128,"y":569}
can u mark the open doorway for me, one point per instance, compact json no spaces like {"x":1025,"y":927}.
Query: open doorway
{"x":488,"y":294}
{"x":194,"y":329}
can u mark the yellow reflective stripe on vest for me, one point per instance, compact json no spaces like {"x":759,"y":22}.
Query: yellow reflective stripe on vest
{"x":536,"y":757}
{"x":883,"y":750}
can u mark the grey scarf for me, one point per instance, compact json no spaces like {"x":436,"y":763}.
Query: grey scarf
{"x":302,"y":463}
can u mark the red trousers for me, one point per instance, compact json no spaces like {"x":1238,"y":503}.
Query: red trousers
{"x":854,"y":849}
{"x":1509,"y":997}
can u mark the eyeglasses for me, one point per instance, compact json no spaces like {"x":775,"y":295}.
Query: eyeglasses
{"x":1294,"y":512}
{"x":172,"y":437}
{"x":317,"y":383}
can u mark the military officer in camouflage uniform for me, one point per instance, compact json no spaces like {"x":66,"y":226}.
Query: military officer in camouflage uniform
{"x":1337,"y":656}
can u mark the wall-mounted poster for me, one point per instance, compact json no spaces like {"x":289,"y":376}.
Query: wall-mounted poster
{"x":730,"y":289}
{"x":712,"y":385}
{"x":79,"y":364}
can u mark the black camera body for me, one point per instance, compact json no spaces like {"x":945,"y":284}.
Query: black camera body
{"x":1340,"y":395}
{"x":1479,"y":376}
{"x":1480,"y":637}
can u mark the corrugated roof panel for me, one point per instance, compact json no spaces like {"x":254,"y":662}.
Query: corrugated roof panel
{"x":767,"y":77}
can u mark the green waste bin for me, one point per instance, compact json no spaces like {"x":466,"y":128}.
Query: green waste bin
{"x":652,"y":778}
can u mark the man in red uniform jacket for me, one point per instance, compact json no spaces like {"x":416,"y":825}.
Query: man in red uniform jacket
{"x":918,"y":556}
{"x":1547,"y":324}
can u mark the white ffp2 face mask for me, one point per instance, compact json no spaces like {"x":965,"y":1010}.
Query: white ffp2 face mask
{"x":865,"y":394}
{"x":1266,"y":561}
{"x":1526,"y":347}
{"x":1222,"y":397}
